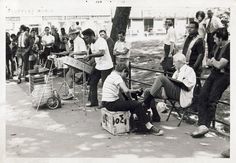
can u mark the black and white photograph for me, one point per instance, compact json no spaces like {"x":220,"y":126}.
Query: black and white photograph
{"x":130,"y":80}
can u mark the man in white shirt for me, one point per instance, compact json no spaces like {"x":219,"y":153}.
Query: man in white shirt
{"x":122,"y":49}
{"x":164,"y":87}
{"x":79,"y":52}
{"x":104,"y":64}
{"x":47,"y":42}
{"x":111,"y":101}
{"x":212,"y":24}
{"x":169,"y":46}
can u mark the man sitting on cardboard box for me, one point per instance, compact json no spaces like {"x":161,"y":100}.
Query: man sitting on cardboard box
{"x":111,"y":101}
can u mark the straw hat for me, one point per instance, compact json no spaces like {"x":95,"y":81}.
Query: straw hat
{"x":73,"y":30}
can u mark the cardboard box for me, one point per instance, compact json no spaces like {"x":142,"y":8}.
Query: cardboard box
{"x":115,"y":122}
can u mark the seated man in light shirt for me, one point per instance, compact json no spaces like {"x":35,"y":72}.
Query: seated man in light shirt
{"x":79,"y":52}
{"x":122,"y":49}
{"x":112,"y":102}
{"x":180,"y":87}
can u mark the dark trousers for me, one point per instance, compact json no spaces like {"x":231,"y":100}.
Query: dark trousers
{"x":211,"y":92}
{"x":152,"y":104}
{"x":23,"y":61}
{"x":10,"y":70}
{"x":196,"y":90}
{"x":210,"y":44}
{"x":94,"y":79}
{"x":129,"y":105}
{"x":45,"y":55}
{"x":166,"y":50}
{"x":172,"y":91}
{"x":167,"y":63}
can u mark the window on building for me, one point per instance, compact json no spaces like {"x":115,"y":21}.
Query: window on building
{"x":148,"y":24}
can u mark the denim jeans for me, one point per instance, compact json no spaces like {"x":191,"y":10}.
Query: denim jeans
{"x":211,"y":92}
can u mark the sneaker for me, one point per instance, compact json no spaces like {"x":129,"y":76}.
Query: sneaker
{"x":155,"y":131}
{"x":200,"y":132}
{"x":18,"y":81}
{"x":68,"y":97}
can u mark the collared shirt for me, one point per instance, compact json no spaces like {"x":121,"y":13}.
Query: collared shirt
{"x":120,"y":46}
{"x":186,"y":75}
{"x":48,"y":39}
{"x":111,"y":87}
{"x":215,"y":23}
{"x":202,"y":30}
{"x":104,"y":62}
{"x":170,"y":36}
{"x":79,"y":46}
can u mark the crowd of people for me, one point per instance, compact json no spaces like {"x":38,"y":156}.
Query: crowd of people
{"x":110,"y":60}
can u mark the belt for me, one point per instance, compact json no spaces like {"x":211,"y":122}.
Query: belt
{"x":22,"y":47}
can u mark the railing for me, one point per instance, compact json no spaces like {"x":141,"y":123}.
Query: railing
{"x":159,"y":71}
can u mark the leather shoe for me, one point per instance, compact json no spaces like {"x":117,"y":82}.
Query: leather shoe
{"x":200,"y":132}
{"x":18,"y":81}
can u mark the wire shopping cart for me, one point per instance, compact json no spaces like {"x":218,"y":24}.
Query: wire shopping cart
{"x":41,"y":89}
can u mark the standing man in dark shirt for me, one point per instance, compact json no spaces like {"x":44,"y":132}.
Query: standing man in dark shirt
{"x":194,"y":51}
{"x":110,"y":43}
{"x":215,"y":84}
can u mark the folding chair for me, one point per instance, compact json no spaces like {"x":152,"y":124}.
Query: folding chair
{"x":178,"y":110}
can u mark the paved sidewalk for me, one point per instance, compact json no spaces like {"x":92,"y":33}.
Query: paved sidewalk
{"x":68,"y":132}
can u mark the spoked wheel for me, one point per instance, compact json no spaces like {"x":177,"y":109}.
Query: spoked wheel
{"x":53,"y":103}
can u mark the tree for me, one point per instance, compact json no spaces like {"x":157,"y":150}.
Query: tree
{"x":120,"y":21}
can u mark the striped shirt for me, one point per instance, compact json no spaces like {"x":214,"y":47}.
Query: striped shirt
{"x":111,"y":87}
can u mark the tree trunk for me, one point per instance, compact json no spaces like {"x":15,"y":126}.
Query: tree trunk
{"x":120,"y":21}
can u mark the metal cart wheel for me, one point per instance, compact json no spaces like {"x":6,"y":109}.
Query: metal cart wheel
{"x":53,"y":103}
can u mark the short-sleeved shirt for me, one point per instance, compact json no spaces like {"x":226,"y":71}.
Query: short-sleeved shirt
{"x":111,"y":87}
{"x":79,"y":46}
{"x":170,"y":36}
{"x":225,"y":55}
{"x":48,"y":39}
{"x":186,"y":75}
{"x":215,"y":24}
{"x":104,"y":62}
{"x":120,"y":47}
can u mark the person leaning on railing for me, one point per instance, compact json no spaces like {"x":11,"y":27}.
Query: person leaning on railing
{"x":215,"y":84}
